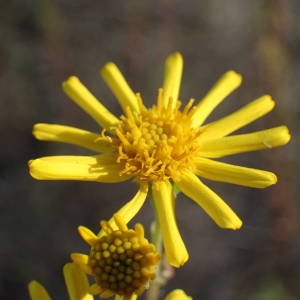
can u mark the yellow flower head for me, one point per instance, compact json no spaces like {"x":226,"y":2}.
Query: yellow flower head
{"x":162,"y":145}
{"x":121,"y":260}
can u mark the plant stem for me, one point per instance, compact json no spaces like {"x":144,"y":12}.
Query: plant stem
{"x":154,"y":289}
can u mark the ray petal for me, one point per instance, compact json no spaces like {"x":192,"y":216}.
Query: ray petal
{"x":88,"y":102}
{"x":178,"y":295}
{"x":264,"y":139}
{"x":219,"y":171}
{"x":119,"y":86}
{"x":130,"y":209}
{"x":88,"y":236}
{"x":163,"y":199}
{"x":95,"y":289}
{"x":245,"y":115}
{"x":82,"y":260}
{"x":70,"y":135}
{"x":37,"y":291}
{"x":76,"y":282}
{"x":107,"y":294}
{"x":221,"y":89}
{"x":211,"y":203}
{"x":172,"y":78}
{"x":85,"y":168}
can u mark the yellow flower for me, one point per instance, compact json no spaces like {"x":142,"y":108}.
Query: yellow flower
{"x":162,"y":145}
{"x":121,"y":260}
{"x":76,"y":282}
{"x":178,"y":295}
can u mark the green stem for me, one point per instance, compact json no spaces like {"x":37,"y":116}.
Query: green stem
{"x":154,"y":289}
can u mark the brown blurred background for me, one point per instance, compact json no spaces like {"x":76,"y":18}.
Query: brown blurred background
{"x":42,"y":42}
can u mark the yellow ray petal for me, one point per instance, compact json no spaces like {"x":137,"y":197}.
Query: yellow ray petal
{"x":76,"y":282}
{"x":211,"y":203}
{"x":178,"y":295}
{"x":82,"y":260}
{"x":222,"y":88}
{"x":88,"y":236}
{"x":70,"y":135}
{"x":132,"y":297}
{"x":95,"y":289}
{"x":130,"y":209}
{"x":88,"y":102}
{"x":264,"y":139}
{"x":239,"y":118}
{"x":172,"y":78}
{"x":107,"y":294}
{"x":84,"y":168}
{"x":37,"y":291}
{"x":119,"y":86}
{"x":163,"y":199}
{"x":219,"y":171}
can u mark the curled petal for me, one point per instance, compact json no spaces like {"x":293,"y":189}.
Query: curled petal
{"x":264,"y":139}
{"x":163,"y":199}
{"x":119,"y":86}
{"x":224,"y":172}
{"x":70,"y":135}
{"x":86,"y":168}
{"x":221,"y":89}
{"x":211,"y":203}
{"x":76,"y":282}
{"x":172,"y":78}
{"x":37,"y":291}
{"x":239,"y":118}
{"x":130,"y":209}
{"x":88,"y":102}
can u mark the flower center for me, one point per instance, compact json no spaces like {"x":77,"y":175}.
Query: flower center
{"x":155,"y":143}
{"x":123,"y":262}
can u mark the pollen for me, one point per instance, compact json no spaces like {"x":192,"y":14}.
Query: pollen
{"x":122,"y":261}
{"x":156,"y":143}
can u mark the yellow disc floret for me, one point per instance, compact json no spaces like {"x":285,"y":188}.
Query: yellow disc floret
{"x":154,"y":143}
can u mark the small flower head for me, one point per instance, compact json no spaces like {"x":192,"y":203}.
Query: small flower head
{"x":121,"y":260}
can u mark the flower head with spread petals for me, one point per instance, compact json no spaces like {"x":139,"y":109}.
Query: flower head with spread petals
{"x":121,"y":260}
{"x":163,"y":145}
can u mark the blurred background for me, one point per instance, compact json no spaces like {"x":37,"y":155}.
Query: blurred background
{"x":43,"y":42}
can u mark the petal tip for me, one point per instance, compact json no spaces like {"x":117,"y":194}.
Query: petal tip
{"x":283,"y":135}
{"x":179,"y":262}
{"x":237,"y":224}
{"x":234,"y":77}
{"x":176,"y":55}
{"x":71,"y":80}
{"x":108,"y":67}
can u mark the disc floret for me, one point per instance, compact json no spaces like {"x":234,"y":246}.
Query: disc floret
{"x":156,"y":142}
